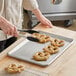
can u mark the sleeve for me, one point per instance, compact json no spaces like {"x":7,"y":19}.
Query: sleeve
{"x":30,"y":4}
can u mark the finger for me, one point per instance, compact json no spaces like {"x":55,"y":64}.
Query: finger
{"x":9,"y":31}
{"x":49,"y":24}
{"x":6,"y":31}
{"x":15,"y":32}
{"x":12,"y":31}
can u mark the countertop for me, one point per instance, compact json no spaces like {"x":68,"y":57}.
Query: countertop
{"x":65,"y":65}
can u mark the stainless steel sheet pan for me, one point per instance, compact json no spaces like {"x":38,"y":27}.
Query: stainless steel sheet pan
{"x":26,"y":49}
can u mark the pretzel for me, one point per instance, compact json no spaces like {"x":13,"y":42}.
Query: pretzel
{"x":51,"y":49}
{"x":42,"y":38}
{"x":41,"y":56}
{"x":13,"y":68}
{"x":57,"y":42}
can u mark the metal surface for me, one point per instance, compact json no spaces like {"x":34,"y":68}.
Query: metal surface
{"x":29,"y":37}
{"x":30,"y":31}
{"x":27,"y":49}
{"x":29,"y":34}
{"x":59,"y":10}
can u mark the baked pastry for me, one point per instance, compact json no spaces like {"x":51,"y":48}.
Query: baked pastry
{"x":51,"y":49}
{"x":57,"y":42}
{"x":41,"y":56}
{"x":41,"y":37}
{"x":13,"y":68}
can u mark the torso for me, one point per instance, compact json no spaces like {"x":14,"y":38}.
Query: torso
{"x":12,"y":11}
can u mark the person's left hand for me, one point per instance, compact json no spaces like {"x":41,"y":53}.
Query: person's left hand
{"x":45,"y":22}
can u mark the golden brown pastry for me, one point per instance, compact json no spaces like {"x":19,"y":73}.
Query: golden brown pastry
{"x":51,"y":49}
{"x":57,"y":42}
{"x":42,"y":38}
{"x":41,"y":56}
{"x":13,"y":68}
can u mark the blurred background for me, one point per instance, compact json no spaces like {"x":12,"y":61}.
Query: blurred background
{"x":62,"y":13}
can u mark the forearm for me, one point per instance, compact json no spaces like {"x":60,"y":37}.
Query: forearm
{"x":7,"y":27}
{"x":37,"y":13}
{"x":42,"y":18}
{"x":3,"y":21}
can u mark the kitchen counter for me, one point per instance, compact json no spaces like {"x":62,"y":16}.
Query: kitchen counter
{"x":65,"y":65}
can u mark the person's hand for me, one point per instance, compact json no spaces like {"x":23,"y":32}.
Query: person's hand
{"x":45,"y":22}
{"x":8,"y":28}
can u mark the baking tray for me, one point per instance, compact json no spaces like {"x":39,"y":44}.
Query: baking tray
{"x":26,"y":49}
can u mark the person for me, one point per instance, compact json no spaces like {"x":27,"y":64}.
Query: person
{"x":11,"y":19}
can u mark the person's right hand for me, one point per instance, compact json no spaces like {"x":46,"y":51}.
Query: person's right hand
{"x":7,"y":27}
